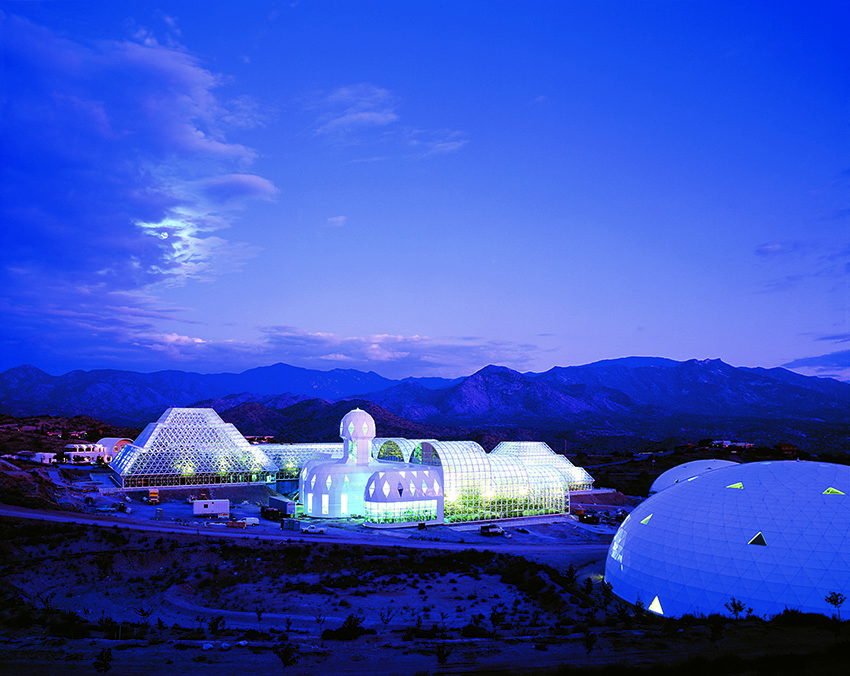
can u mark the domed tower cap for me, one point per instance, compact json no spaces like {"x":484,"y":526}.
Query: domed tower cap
{"x":357,"y":424}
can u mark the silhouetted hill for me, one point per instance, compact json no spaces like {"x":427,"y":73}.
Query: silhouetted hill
{"x":496,"y":395}
{"x":128,"y":397}
{"x":636,"y":397}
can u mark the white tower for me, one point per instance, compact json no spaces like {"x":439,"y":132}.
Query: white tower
{"x":357,"y":430}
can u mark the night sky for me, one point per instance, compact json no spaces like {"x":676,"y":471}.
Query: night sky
{"x":424,"y":188}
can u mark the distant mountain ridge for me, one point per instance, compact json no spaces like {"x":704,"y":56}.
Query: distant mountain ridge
{"x":605,"y":397}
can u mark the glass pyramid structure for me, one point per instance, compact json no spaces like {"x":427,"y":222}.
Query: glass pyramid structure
{"x":191,"y":447}
{"x":770,"y":534}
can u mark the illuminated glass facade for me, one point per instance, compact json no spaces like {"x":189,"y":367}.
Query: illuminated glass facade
{"x":191,"y":447}
{"x":386,"y":481}
{"x":404,"y":495}
{"x":536,"y":453}
{"x":291,"y":458}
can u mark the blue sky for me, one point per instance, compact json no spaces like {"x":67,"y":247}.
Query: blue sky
{"x":423,"y":188}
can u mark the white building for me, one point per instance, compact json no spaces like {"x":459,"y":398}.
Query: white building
{"x":773,"y":535}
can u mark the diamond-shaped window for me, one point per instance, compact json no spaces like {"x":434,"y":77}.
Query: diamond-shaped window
{"x":328,"y":483}
{"x":386,"y":489}
{"x":313,"y":482}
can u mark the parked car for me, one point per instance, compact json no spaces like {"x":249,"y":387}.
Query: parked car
{"x":313,"y":530}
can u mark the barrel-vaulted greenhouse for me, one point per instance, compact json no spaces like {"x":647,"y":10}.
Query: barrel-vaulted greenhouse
{"x":389,"y":482}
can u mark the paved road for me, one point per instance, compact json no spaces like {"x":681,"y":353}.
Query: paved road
{"x":550,"y":552}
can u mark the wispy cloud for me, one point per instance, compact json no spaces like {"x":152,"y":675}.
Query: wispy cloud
{"x":116,"y":176}
{"x":364,"y":114}
{"x":350,"y":108}
{"x":835,"y":338}
{"x":396,"y":355}
{"x":832,"y":365}
{"x":337,"y":221}
{"x":101,"y":143}
{"x":773,"y":249}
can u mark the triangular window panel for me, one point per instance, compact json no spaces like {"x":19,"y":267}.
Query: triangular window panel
{"x":833,"y":491}
{"x":758,"y":539}
{"x":646,"y":521}
{"x":655,"y":606}
{"x":400,"y":489}
{"x":736,"y":485}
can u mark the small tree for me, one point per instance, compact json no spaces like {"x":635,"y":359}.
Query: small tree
{"x":716,"y":626}
{"x":387,"y":615}
{"x":442,"y":651}
{"x":589,"y":642}
{"x":607,"y":591}
{"x":571,"y":575}
{"x":103,"y":661}
{"x":735,"y":607}
{"x":287,"y":653}
{"x":144,"y":614}
{"x":497,"y":617}
{"x":640,"y":609}
{"x":837,"y":600}
{"x":587,"y":586}
{"x":259,"y":611}
{"x":216,"y":625}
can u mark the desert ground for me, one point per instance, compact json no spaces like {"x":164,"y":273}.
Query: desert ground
{"x":84,"y":592}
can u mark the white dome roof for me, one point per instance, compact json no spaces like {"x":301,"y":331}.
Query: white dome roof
{"x":357,"y":424}
{"x":685,"y":471}
{"x":770,"y":534}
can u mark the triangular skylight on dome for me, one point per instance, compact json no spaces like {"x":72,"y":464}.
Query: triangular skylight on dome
{"x":655,"y":606}
{"x":758,"y":539}
{"x":833,"y":491}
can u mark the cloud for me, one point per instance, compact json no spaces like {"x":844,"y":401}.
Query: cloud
{"x":832,"y":365}
{"x":436,"y":142}
{"x":366,"y":114}
{"x":236,"y":188}
{"x":337,"y":221}
{"x":395,"y":355}
{"x":835,"y":338}
{"x":349,"y":108}
{"x":116,"y":176}
{"x":772,"y":249}
{"x":97,"y":139}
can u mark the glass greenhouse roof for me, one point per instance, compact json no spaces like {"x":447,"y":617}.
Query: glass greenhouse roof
{"x":187,"y":442}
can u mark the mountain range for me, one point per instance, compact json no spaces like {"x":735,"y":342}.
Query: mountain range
{"x":646,"y":396}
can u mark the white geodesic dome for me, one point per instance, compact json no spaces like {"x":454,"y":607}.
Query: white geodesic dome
{"x":770,"y":534}
{"x":686,"y":471}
